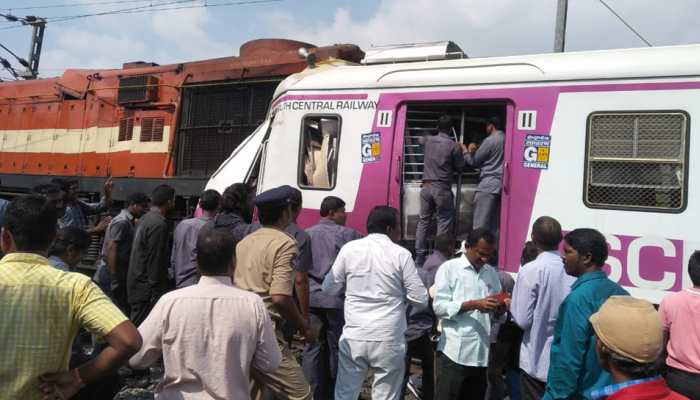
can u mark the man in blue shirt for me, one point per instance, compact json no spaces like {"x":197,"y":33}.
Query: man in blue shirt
{"x":573,"y":367}
{"x":542,"y":286}
{"x":464,"y":300}
{"x":320,"y":359}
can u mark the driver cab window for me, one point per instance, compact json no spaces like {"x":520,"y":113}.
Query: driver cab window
{"x":320,"y":136}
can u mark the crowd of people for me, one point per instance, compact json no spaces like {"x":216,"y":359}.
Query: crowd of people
{"x":359,"y":303}
{"x":219,"y":301}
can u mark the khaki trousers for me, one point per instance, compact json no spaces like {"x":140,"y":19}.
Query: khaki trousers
{"x":287,"y":382}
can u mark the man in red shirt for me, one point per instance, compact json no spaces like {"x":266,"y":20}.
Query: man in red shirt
{"x":629,"y":344}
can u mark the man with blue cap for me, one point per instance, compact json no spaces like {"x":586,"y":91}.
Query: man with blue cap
{"x":265,"y":266}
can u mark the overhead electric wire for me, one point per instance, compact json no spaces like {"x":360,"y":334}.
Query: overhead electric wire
{"x":68,"y":5}
{"x":8,"y":66}
{"x":20,"y":59}
{"x":152,"y":8}
{"x":639,"y":35}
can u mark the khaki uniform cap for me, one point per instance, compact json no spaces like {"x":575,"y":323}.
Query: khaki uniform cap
{"x":629,"y":327}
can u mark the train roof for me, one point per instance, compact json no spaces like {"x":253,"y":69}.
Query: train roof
{"x":668,"y":62}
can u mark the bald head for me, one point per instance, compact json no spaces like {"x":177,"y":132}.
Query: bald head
{"x":546,"y":233}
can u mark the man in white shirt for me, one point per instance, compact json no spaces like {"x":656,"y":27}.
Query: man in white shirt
{"x":209,"y":334}
{"x":464,"y":300}
{"x":377,"y":277}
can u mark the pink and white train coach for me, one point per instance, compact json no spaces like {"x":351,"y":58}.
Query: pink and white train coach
{"x":600,"y":139}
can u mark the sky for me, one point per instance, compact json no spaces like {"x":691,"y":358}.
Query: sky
{"x":482,"y":28}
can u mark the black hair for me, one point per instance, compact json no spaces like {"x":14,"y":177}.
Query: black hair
{"x":32,"y":222}
{"x":329,"y":204}
{"x":295,"y":199}
{"x":530,"y":252}
{"x":694,"y":268}
{"x":210,"y":200}
{"x":546,"y":233}
{"x":162,"y":194}
{"x":632,"y":368}
{"x":270,"y":214}
{"x":64,"y":184}
{"x":478,"y":234}
{"x":381,"y":218}
{"x":69,"y":236}
{"x":495,"y":121}
{"x":215,"y":250}
{"x":589,"y":241}
{"x":445,"y":243}
{"x":47,"y":189}
{"x":444,"y":123}
{"x":137,"y":198}
{"x":235,"y":198}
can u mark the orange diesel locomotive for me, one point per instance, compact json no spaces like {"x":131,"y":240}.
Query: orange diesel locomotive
{"x":143,"y":124}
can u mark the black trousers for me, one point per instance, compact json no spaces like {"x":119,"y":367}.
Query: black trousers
{"x":455,"y":381}
{"x":422,"y":349}
{"x":685,"y":383}
{"x":530,"y":388}
{"x":139,"y":312}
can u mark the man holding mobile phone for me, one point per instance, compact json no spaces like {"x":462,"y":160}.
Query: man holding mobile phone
{"x":466,"y":298}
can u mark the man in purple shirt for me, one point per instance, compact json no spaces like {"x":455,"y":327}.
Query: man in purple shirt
{"x":320,"y":360}
{"x":540,"y":289}
{"x":237,"y":206}
{"x":184,"y":256}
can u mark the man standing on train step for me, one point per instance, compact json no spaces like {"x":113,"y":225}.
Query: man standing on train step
{"x":489,"y":159}
{"x":443,"y":158}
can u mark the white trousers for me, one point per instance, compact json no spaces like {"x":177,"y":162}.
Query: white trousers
{"x":357,"y":357}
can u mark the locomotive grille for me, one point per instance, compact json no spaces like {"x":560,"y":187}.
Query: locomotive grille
{"x":137,"y":89}
{"x":216,"y":119}
{"x":152,"y":129}
{"x":637,"y":160}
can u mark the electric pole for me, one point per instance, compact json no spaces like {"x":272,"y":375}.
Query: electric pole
{"x":38,"y":26}
{"x":560,"y":28}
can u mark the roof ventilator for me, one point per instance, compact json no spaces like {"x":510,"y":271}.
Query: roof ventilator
{"x":413,"y":52}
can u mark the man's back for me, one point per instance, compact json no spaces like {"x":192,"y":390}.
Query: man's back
{"x":148,"y":265}
{"x":42,"y":309}
{"x":542,"y":286}
{"x":210,"y":334}
{"x":184,"y":257}
{"x":443,"y":158}
{"x":233,"y":222}
{"x":379,"y":276}
{"x":121,"y":231}
{"x":489,"y":159}
{"x":264,"y":265}
{"x":327,"y":238}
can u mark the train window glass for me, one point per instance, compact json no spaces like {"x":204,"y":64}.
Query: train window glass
{"x":126,"y":129}
{"x":637,"y":161}
{"x":152,"y":129}
{"x":318,"y":155}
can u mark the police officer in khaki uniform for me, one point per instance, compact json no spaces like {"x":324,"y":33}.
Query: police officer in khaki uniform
{"x":265,"y":266}
{"x":443,"y":158}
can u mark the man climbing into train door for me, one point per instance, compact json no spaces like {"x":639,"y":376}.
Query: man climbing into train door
{"x":442,"y":159}
{"x":488,"y":157}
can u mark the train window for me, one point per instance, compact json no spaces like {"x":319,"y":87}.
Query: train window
{"x":152,"y":129}
{"x":318,"y":155}
{"x":637,"y":161}
{"x":126,"y":129}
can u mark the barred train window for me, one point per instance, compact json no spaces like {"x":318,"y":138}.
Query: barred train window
{"x":637,"y":161}
{"x":318,"y":158}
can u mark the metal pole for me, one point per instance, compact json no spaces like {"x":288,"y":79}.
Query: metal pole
{"x":560,"y":28}
{"x":35,"y":49}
